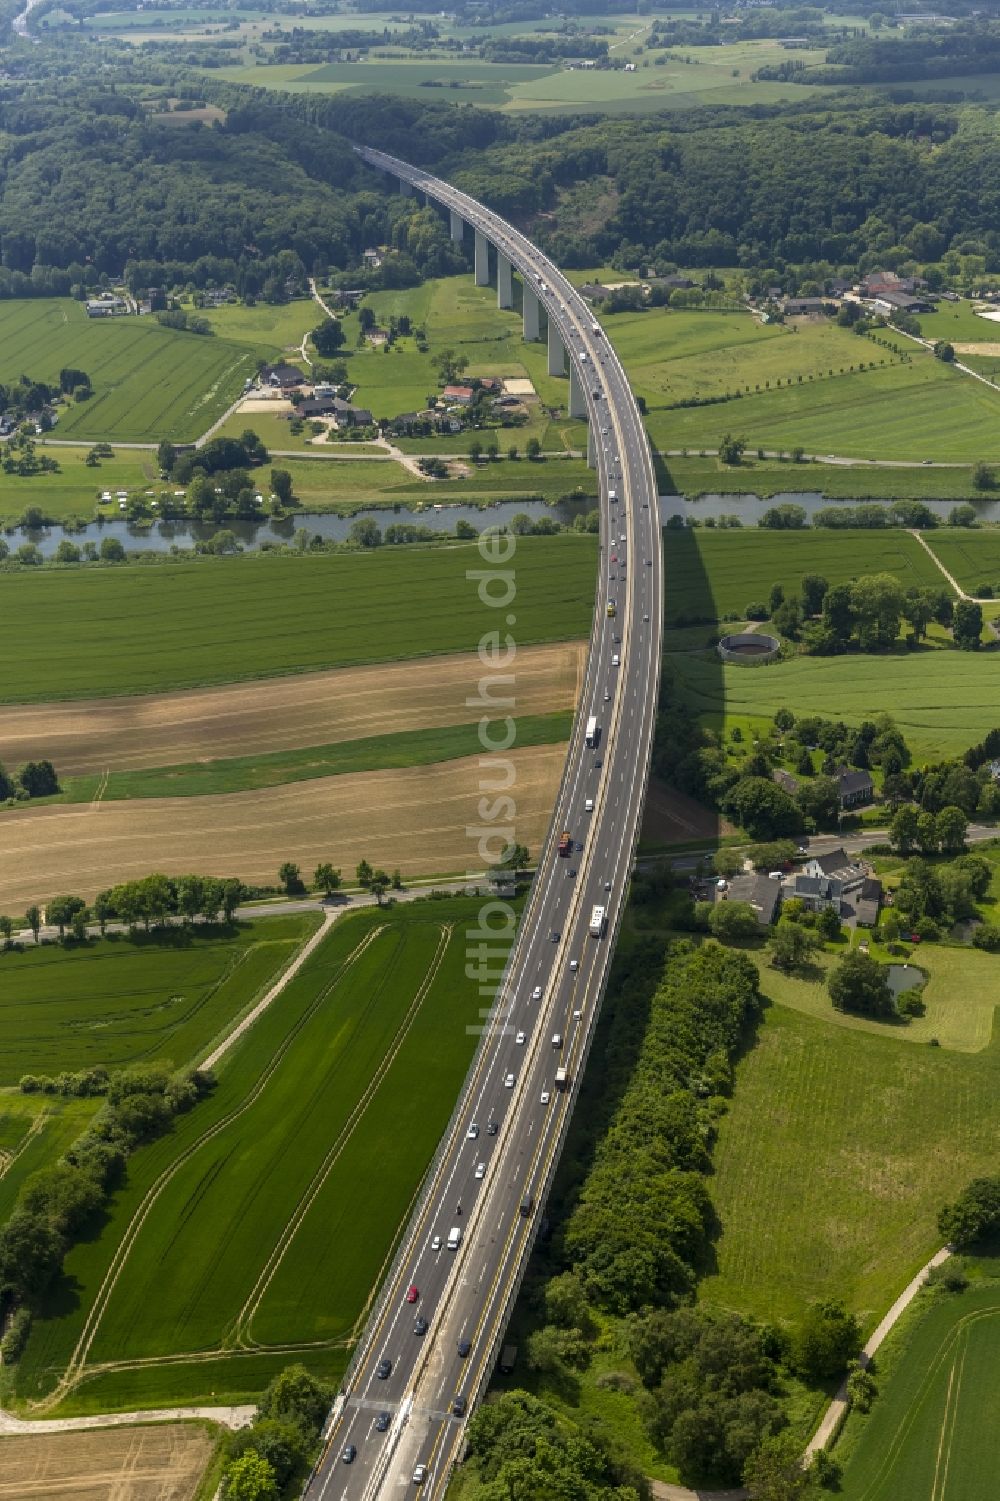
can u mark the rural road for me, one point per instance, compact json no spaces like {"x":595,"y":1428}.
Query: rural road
{"x":229,"y":1417}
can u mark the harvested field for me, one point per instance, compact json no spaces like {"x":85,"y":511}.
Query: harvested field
{"x":162,"y":1462}
{"x":414,"y":819}
{"x":323,"y":708}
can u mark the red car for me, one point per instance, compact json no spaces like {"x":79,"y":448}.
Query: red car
{"x":413,"y":1294}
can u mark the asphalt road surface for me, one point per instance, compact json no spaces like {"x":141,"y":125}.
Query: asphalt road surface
{"x":498,"y":1155}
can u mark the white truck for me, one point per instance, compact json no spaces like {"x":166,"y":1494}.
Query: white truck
{"x":598,"y":922}
{"x":590,"y":738}
{"x":454,"y":1238}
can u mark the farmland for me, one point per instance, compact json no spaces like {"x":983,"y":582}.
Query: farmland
{"x":161,"y":1462}
{"x":149,"y":382}
{"x":381,"y":1001}
{"x":943,"y":701}
{"x":921,"y":410}
{"x":296,"y":712}
{"x":931,"y":1432}
{"x":726,"y":570}
{"x":837,"y":1150}
{"x":972,"y":558}
{"x":126,"y":1000}
{"x":701,"y":76}
{"x":415,"y":817}
{"x":35,"y":1130}
{"x":276,"y":614}
{"x":424,"y":747}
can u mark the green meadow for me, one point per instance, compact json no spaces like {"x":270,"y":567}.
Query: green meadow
{"x":834,"y":1157}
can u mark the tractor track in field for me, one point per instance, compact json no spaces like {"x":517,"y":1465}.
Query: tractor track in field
{"x":77,"y":1361}
{"x":246,"y":1315}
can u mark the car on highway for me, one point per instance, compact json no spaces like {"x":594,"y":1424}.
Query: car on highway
{"x":519,"y":1039}
{"x":509,"y":1081}
{"x":555,"y":935}
{"x":420,"y":1325}
{"x":588,"y":806}
{"x":384,"y":1368}
{"x":607,"y":696}
{"x":419,"y":1474}
{"x":480,"y":1169}
{"x":458,"y":1407}
{"x":574,"y":964}
{"x":616,"y":660}
{"x":349,"y":1454}
{"x":557,"y":1039}
{"x":536,"y":994}
{"x":472,"y":1132}
{"x":492,"y":1128}
{"x":382,"y":1422}
{"x":436,"y":1243}
{"x":412,"y":1293}
{"x":598,"y":763}
{"x":464,"y":1346}
{"x":545,"y":1097}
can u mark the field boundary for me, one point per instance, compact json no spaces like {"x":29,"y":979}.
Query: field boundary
{"x":835,"y":1414}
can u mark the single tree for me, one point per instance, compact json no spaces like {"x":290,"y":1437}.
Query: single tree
{"x":967,"y":625}
{"x":792,"y":945}
{"x":33,"y":917}
{"x":290,"y":877}
{"x":379,"y":885}
{"x":326,"y":877}
{"x":951,"y":826}
{"x":975,"y":1214}
{"x":364,"y":874}
{"x":827,"y":1339}
{"x":281,"y":486}
{"x":859,"y":984}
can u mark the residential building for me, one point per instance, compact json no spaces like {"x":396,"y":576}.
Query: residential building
{"x":817,"y":892}
{"x":461,"y":396}
{"x":856,"y":788}
{"x":283,"y":377}
{"x":762,"y":892}
{"x":868,"y":902}
{"x":838,"y":866}
{"x":347,"y":415}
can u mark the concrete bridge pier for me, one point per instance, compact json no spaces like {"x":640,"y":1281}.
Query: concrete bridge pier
{"x":591,"y":446}
{"x":557,"y":351}
{"x":577,"y":400}
{"x":505,"y":282}
{"x":405,"y":188}
{"x":531,"y":323}
{"x":457,"y":227}
{"x":482,"y":260}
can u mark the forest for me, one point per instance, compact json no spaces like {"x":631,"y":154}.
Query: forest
{"x":90,"y":183}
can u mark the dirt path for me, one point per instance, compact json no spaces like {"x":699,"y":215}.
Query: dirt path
{"x":287,"y":975}
{"x":229,"y":1417}
{"x":953,"y":581}
{"x":837,"y":1410}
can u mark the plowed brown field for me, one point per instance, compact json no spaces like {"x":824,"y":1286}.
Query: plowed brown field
{"x":163,"y":1462}
{"x":414,"y":819}
{"x":285,"y":713}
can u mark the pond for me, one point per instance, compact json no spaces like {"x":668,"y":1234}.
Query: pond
{"x":903,"y":977}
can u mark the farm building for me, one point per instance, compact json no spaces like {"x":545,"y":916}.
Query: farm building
{"x":459,"y":395}
{"x":837,"y":866}
{"x":868,"y":902}
{"x":106,"y":307}
{"x":284,"y":377}
{"x":762,"y":892}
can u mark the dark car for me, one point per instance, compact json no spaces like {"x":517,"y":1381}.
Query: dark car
{"x":458,"y":1407}
{"x":383,"y":1369}
{"x":464,"y":1346}
{"x":420,"y":1326}
{"x":598,"y":763}
{"x":382,"y":1422}
{"x":350,"y":1454}
{"x":492,"y":1128}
